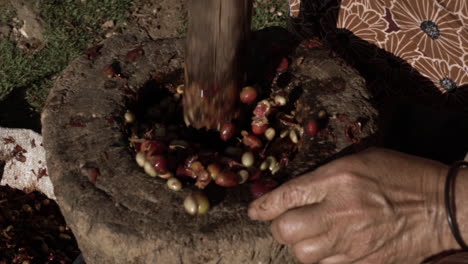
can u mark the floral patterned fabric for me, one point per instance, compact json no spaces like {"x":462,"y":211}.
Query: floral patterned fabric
{"x":294,"y":7}
{"x":429,"y":35}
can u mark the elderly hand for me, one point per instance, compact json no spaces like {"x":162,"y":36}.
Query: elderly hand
{"x":378,"y":206}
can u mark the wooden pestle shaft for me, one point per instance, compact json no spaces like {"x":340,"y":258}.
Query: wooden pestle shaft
{"x":217,"y":37}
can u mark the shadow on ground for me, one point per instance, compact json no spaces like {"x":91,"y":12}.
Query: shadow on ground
{"x":15,"y":112}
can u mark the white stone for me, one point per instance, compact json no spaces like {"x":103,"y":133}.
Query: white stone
{"x":24,"y":175}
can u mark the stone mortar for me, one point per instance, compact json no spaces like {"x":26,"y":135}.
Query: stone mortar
{"x":124,"y":216}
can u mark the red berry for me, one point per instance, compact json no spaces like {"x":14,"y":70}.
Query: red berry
{"x":284,"y":65}
{"x":159,"y":163}
{"x":137,"y":146}
{"x":227,"y":131}
{"x":227,"y":179}
{"x":153,"y":147}
{"x":262,"y":186}
{"x":262,"y":109}
{"x":184,"y":172}
{"x":259,"y":126}
{"x":284,"y":161}
{"x":248,"y":95}
{"x":312,"y":128}
{"x":259,"y":129}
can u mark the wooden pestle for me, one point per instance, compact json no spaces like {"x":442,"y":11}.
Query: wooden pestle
{"x":218,"y":32}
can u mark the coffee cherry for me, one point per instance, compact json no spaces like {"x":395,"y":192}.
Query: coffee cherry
{"x":284,"y":133}
{"x":248,"y":95}
{"x":227,"y":131}
{"x":196,"y":204}
{"x":300,"y":130}
{"x":140,"y":159}
{"x":259,"y":125}
{"x":271,"y":161}
{"x":312,"y":128}
{"x":262,"y":109}
{"x":214,"y":170}
{"x":264,"y":166}
{"x":275,"y":168}
{"x":153,"y":147}
{"x":322,"y":114}
{"x":280,"y":100}
{"x":190,"y":205}
{"x":293,"y":136}
{"x":184,"y":172}
{"x":174,"y":184}
{"x":159,"y":163}
{"x":196,"y":166}
{"x":251,"y":141}
{"x":149,"y":169}
{"x":243,"y":176}
{"x":227,"y":179}
{"x":166,"y":175}
{"x":248,"y":159}
{"x":129,"y":117}
{"x":270,"y":134}
{"x":180,"y":89}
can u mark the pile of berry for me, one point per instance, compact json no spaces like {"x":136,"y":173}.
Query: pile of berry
{"x":253,"y":150}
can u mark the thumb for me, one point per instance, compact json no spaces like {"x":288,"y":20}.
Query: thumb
{"x":298,"y":192}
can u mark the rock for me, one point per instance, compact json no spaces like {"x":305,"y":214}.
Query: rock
{"x":108,"y":24}
{"x":120,"y":215}
{"x":24,"y":156}
{"x":32,"y":24}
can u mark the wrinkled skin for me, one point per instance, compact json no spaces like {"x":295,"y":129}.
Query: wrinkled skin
{"x":378,"y":206}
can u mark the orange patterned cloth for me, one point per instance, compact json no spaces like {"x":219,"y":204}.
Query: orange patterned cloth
{"x":430,"y":35}
{"x":294,"y":8}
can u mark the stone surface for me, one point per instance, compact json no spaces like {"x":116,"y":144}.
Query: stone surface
{"x":120,"y":215}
